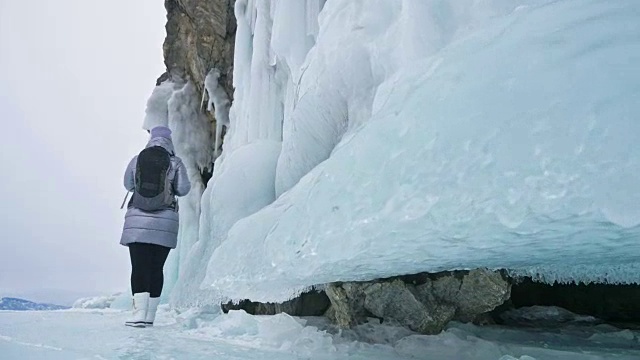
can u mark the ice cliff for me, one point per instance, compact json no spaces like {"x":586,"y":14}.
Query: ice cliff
{"x":373,"y":138}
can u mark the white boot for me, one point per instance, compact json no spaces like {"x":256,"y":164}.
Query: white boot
{"x":140,"y":306}
{"x":151,"y":311}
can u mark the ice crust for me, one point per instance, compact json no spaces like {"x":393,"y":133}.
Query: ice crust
{"x":206,"y":333}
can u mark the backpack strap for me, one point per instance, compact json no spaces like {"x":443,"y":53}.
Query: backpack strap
{"x":125,"y":199}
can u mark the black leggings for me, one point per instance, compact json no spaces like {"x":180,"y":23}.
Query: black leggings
{"x":147,"y":261}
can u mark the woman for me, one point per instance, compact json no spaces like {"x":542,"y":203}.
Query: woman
{"x":151,"y":233}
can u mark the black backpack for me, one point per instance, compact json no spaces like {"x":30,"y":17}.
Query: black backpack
{"x":153,"y":189}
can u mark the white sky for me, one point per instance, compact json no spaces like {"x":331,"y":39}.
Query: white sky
{"x":74,"y":79}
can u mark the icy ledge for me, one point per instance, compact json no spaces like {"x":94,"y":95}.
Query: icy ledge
{"x":515,"y":147}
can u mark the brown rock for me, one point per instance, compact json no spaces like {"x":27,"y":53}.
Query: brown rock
{"x":396,"y":303}
{"x":347,"y":303}
{"x":200,"y":36}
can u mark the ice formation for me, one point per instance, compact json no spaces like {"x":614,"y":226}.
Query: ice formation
{"x":218,"y":103}
{"x":95,"y":302}
{"x":375,"y":138}
{"x":175,"y":104}
{"x":157,"y":113}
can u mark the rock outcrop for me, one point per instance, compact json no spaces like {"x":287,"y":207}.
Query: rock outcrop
{"x":424,"y":303}
{"x":347,"y":303}
{"x":425,"y":307}
{"x":200,"y":36}
{"x":477,"y":292}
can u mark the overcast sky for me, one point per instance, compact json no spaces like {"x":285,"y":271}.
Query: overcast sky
{"x":74,"y":79}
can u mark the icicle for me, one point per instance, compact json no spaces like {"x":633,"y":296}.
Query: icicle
{"x":218,"y":103}
{"x":313,"y":11}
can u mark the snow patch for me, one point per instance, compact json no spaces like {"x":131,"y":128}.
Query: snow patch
{"x":278,"y":332}
{"x":95,"y":302}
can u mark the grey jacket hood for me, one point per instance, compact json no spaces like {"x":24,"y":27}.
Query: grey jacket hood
{"x":167,"y":144}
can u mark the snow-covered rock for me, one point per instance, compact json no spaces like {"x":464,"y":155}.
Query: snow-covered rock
{"x":15,"y":304}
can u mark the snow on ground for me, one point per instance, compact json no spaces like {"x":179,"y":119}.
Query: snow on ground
{"x":100,"y":334}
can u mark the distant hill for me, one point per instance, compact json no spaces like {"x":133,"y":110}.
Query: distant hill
{"x":8,"y":303}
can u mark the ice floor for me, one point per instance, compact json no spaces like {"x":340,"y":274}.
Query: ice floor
{"x":195,"y":335}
